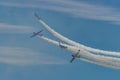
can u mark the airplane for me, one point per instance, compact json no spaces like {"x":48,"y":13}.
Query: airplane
{"x":62,"y":46}
{"x":77,"y":55}
{"x":37,"y":33}
{"x":35,"y":14}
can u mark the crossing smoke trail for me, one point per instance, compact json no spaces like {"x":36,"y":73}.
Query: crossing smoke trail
{"x":56,"y":34}
{"x":105,"y":61}
{"x":99,"y":63}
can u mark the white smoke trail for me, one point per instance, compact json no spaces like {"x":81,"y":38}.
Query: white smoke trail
{"x":98,"y":58}
{"x":56,"y":34}
{"x":99,"y":63}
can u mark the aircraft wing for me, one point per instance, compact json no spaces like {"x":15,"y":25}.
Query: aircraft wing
{"x":72,"y":59}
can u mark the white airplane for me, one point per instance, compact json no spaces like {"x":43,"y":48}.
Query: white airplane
{"x":77,"y":55}
{"x":62,"y":46}
{"x":35,"y":14}
{"x":37,"y":33}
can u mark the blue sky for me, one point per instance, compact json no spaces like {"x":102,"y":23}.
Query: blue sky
{"x":94,"y":23}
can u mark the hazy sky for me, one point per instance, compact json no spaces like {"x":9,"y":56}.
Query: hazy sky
{"x":94,"y":23}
